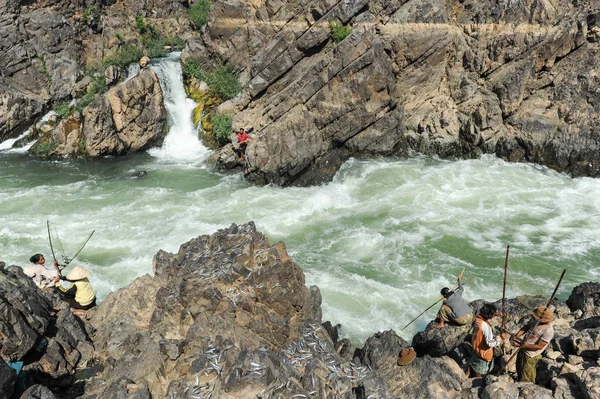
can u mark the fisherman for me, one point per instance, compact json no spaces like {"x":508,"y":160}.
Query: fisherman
{"x":42,"y":276}
{"x":80,"y":294}
{"x":483,"y":342}
{"x":532,"y":339}
{"x":242,"y":142}
{"x":454,"y":309}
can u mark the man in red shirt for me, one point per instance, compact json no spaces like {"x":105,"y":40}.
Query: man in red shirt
{"x":242,"y":138}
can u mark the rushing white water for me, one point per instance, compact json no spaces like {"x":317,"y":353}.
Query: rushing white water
{"x":380,"y":241}
{"x":181,"y":144}
{"x":7,"y":145}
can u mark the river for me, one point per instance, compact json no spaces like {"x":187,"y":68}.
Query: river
{"x":380,"y":241}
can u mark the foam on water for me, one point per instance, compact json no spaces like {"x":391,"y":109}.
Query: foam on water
{"x":380,"y":241}
{"x":181,"y":144}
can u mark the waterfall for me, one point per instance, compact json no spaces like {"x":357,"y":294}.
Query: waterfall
{"x":7,"y":145}
{"x":181,"y":144}
{"x":132,"y":70}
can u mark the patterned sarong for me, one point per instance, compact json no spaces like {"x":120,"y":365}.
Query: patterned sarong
{"x":445,"y":314}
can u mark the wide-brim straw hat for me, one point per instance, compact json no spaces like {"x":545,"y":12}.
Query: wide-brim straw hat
{"x":543,"y":314}
{"x":406,"y":356}
{"x":78,"y":273}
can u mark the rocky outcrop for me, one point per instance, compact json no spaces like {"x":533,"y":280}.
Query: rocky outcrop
{"x":49,"y":46}
{"x":128,"y":118}
{"x":454,"y":79}
{"x":228,"y":315}
{"x":38,"y":330}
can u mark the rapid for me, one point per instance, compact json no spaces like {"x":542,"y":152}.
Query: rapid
{"x":380,"y":241}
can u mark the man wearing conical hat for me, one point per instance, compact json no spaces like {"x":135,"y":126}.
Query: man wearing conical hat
{"x":533,"y":341}
{"x":80,"y":293}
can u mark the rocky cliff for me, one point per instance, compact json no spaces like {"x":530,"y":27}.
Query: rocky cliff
{"x":327,"y":80}
{"x":229,"y":316}
{"x":449,"y":78}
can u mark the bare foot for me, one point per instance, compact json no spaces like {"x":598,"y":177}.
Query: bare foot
{"x":439,"y":325}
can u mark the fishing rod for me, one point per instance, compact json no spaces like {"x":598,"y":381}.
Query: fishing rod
{"x":423,"y":312}
{"x":503,"y":328}
{"x":50,"y":239}
{"x":504,"y":288}
{"x":74,"y":256}
{"x":526,"y":336}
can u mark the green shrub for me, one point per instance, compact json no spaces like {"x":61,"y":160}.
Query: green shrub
{"x":123,"y":57}
{"x":161,"y":47}
{"x":44,"y":148}
{"x":87,"y":14}
{"x":221,"y":125}
{"x":192,"y":68}
{"x":199,"y":13}
{"x":223,"y":82}
{"x":119,"y":37}
{"x":44,"y":70}
{"x":338,"y":31}
{"x":62,"y":109}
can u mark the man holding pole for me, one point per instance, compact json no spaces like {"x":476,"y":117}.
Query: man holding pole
{"x":454,"y":309}
{"x":536,"y":335}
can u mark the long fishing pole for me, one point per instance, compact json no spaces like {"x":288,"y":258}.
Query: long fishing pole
{"x":504,"y":287}
{"x":504,"y":299}
{"x":50,"y":239}
{"x":526,"y":336}
{"x":74,"y":256}
{"x":423,"y":312}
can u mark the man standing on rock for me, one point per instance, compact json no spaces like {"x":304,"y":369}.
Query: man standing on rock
{"x":455,"y":309}
{"x":536,"y":334}
{"x":483,"y":342}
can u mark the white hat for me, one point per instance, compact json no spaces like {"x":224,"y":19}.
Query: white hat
{"x":78,"y":273}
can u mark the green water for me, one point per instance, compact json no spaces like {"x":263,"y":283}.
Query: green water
{"x":380,"y":241}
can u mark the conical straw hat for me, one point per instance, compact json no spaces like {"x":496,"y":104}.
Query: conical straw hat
{"x":78,"y":273}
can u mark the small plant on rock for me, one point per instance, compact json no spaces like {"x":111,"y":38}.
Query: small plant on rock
{"x":221,"y":125}
{"x":199,"y":13}
{"x":338,"y":32}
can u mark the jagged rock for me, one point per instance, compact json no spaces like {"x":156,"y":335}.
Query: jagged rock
{"x":18,"y":108}
{"x":454,"y":80}
{"x":439,"y":341}
{"x":38,"y":392}
{"x":380,"y":347}
{"x":585,"y":297}
{"x":8,"y":380}
{"x":589,"y":383}
{"x":565,"y":388}
{"x":144,"y":61}
{"x":39,"y":330}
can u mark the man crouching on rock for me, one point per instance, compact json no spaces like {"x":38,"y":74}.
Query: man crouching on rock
{"x":455,"y":309}
{"x":536,"y":335}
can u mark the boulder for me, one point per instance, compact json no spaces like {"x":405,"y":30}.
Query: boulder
{"x":585,"y":297}
{"x":39,"y":330}
{"x":38,"y":392}
{"x":439,"y":341}
{"x":8,"y":380}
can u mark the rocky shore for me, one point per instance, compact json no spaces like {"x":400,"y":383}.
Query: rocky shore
{"x":321,"y":81}
{"x":229,"y":316}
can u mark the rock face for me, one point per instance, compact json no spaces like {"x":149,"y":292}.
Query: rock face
{"x":454,"y":79}
{"x":38,"y":330}
{"x":128,"y":118}
{"x":228,"y":316}
{"x":40,"y":62}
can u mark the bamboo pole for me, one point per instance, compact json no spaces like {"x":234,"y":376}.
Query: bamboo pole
{"x":432,"y":305}
{"x":504,"y":288}
{"x":524,"y":340}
